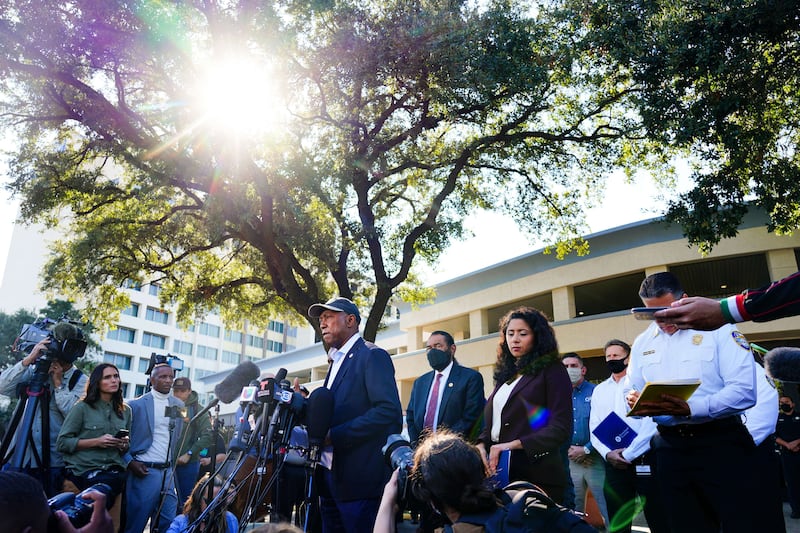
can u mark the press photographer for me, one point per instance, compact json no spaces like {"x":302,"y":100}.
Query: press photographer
{"x":449,"y":474}
{"x":48,"y":386}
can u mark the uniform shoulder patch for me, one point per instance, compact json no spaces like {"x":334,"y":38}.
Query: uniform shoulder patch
{"x":740,"y":340}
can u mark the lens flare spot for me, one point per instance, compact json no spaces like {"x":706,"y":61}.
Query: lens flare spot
{"x":538,"y":416}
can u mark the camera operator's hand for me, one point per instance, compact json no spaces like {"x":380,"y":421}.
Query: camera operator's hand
{"x":56,"y":373}
{"x":38,"y":351}
{"x":385,"y":521}
{"x":137,"y":468}
{"x":100,"y":522}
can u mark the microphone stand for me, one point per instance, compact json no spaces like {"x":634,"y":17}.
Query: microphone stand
{"x":213,"y":451}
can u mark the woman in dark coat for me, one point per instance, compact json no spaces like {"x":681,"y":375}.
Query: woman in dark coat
{"x":530,"y":410}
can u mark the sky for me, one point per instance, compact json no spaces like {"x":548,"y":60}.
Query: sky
{"x":496,"y":238}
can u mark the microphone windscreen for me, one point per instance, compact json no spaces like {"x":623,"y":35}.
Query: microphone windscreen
{"x":783,"y":364}
{"x":319,"y":415}
{"x":230,"y":388}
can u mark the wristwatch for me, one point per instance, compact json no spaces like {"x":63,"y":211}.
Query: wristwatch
{"x":586,"y":450}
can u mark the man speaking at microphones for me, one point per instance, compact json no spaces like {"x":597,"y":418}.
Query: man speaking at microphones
{"x":366,"y":410}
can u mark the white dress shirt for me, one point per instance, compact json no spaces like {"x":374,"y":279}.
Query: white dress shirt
{"x":720,"y":359}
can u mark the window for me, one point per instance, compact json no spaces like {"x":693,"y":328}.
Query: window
{"x":274,"y":346}
{"x":257,"y":342}
{"x":122,"y":334}
{"x":182,"y":347}
{"x":199,"y":373}
{"x":253,"y":358}
{"x":143,"y":364}
{"x":154,"y":289}
{"x":138,"y":391}
{"x":123,"y":362}
{"x":125,"y":388}
{"x":209,"y":329}
{"x":206,"y":352}
{"x":156,"y":315}
{"x":154,"y":341}
{"x":132,"y":285}
{"x":290,"y":347}
{"x":291,"y":331}
{"x":230,"y":357}
{"x":233,"y":336}
{"x":131,"y":310}
{"x":276,"y":326}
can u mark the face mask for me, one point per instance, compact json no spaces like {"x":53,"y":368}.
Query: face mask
{"x":616,"y":365}
{"x":786,"y":408}
{"x":438,"y":359}
{"x":575,"y":374}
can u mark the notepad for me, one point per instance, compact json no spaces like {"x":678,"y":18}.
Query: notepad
{"x":614,"y":432}
{"x":500,"y":477}
{"x":682,"y":388}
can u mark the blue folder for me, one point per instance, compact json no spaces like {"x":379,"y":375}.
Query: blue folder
{"x":614,"y":432}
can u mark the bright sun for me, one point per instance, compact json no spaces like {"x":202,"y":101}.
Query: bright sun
{"x":241,"y":97}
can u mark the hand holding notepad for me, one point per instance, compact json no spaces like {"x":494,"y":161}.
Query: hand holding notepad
{"x":653,"y":390}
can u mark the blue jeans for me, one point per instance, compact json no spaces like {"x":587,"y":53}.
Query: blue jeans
{"x":185,"y":479}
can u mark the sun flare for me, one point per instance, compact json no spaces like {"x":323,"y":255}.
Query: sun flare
{"x":241,"y":97}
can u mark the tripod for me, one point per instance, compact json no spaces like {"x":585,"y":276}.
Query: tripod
{"x":36,"y":397}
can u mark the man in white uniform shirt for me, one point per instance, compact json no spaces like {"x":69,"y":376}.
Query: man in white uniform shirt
{"x":701,"y":442}
{"x":764,"y":464}
{"x":631,"y":470}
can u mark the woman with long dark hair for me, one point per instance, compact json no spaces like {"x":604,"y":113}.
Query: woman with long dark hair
{"x":221,"y":521}
{"x":94,"y":436}
{"x":529,"y":413}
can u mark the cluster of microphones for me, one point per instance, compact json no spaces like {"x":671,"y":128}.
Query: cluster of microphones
{"x":275,"y":400}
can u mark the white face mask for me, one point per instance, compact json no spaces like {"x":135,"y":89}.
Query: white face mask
{"x":575,"y":374}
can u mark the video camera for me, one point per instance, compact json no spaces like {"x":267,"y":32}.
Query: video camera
{"x":77,"y":507}
{"x":399,"y":456}
{"x":159,"y":359}
{"x":67,"y":342}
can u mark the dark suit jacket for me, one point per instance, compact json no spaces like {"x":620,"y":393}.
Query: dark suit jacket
{"x":539,"y":413}
{"x":462,"y":401}
{"x":366,"y":410}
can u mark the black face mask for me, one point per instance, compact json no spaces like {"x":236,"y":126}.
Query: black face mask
{"x":616,"y":365}
{"x":438,"y":359}
{"x":786,"y":408}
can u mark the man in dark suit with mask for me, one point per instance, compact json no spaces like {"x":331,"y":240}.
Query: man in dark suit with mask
{"x":455,"y":403}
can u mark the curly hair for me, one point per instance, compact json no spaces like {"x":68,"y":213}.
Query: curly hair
{"x":93,"y":389}
{"x":545,"y":346}
{"x":449,"y":471}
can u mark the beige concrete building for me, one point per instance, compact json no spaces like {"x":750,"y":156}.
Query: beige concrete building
{"x":588,"y":298}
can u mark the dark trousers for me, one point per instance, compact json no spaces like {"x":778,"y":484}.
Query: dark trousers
{"x":339,"y":516}
{"x":628,"y":491}
{"x":700,"y":474}
{"x":291,"y":496}
{"x":765,"y":486}
{"x":791,"y":475}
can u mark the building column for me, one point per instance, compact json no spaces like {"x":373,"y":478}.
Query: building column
{"x":563,"y":303}
{"x":781,"y":263}
{"x":478,"y":323}
{"x":649,"y":271}
{"x":415,"y":341}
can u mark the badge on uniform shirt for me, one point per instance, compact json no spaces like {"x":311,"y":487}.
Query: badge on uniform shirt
{"x":697,"y":339}
{"x":740,"y":340}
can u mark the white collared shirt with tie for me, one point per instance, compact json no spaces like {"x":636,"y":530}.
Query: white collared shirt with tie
{"x":442,"y":385}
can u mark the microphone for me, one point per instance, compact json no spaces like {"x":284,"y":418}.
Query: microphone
{"x":229,"y":388}
{"x":783,"y":364}
{"x":213,"y":403}
{"x":319,"y":415}
{"x":281,"y":375}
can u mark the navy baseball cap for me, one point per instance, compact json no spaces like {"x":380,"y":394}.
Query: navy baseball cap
{"x":338,"y":304}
